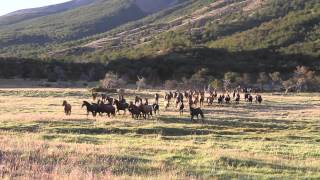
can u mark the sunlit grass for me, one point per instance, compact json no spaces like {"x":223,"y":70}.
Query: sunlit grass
{"x":278,"y":139}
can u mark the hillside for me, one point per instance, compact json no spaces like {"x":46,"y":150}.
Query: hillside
{"x":79,"y":22}
{"x":289,"y":27}
{"x":104,"y":30}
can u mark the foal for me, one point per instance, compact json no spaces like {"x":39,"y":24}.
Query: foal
{"x":67,"y":108}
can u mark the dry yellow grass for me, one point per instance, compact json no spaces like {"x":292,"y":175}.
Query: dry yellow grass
{"x":278,"y":139}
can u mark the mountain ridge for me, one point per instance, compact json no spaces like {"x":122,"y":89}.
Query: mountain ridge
{"x":111,"y":29}
{"x":26,"y":14}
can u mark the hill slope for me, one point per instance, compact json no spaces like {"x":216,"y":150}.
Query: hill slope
{"x":90,"y":19}
{"x":110,"y":29}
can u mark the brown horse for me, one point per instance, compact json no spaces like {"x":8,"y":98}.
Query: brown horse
{"x":67,"y":108}
{"x":121,"y":106}
{"x":146,"y":110}
{"x":134,"y":110}
{"x":181,"y":108}
{"x":196,"y":112}
{"x":259,"y":99}
{"x":106,"y":108}
{"x":202,"y":94}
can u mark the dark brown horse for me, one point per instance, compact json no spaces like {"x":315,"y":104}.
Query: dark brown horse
{"x":156,"y":98}
{"x":181,"y":108}
{"x":146,"y":110}
{"x":134,"y":110}
{"x":94,"y":96}
{"x":227,"y":99}
{"x":250,"y":98}
{"x":93,"y":108}
{"x":196,"y":112}
{"x":67,"y":108}
{"x":156,"y":108}
{"x":220,"y":99}
{"x":259,"y":99}
{"x":202,"y":94}
{"x":121,"y":106}
{"x":106,"y":108}
{"x":138,"y":100}
{"x":237,"y":98}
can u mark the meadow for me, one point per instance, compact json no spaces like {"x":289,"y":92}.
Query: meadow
{"x":278,"y":139}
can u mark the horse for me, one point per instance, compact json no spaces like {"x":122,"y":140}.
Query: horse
{"x":137,"y":100}
{"x":234,"y":94}
{"x":259,"y":99}
{"x":227,"y":99}
{"x":93,"y":108}
{"x":110,"y":100}
{"x":196,"y":100}
{"x":121,"y":106}
{"x":201,"y":98}
{"x":134,"y":110}
{"x":237,"y":98}
{"x":156,"y":98}
{"x":67,"y":108}
{"x":146,"y":101}
{"x":190,"y":100}
{"x":168,"y":97}
{"x":106,"y":108}
{"x":166,"y":104}
{"x":104,"y":97}
{"x":156,"y":108}
{"x":146,"y":110}
{"x":246,"y":96}
{"x":94,"y":96}
{"x":196,"y":112}
{"x":186,"y":94}
{"x":250,"y":98}
{"x":220,"y":99}
{"x":179,"y":99}
{"x":181,"y":108}
{"x":210,"y":100}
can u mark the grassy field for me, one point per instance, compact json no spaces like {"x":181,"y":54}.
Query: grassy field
{"x":278,"y":139}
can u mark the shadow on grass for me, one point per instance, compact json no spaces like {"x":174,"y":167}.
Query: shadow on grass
{"x":244,"y":163}
{"x":21,"y":128}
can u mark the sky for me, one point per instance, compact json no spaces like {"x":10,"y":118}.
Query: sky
{"x":7,"y":6}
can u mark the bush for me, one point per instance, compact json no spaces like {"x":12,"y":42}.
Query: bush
{"x":170,"y":84}
{"x":112,"y":80}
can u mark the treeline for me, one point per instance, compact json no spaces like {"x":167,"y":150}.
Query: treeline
{"x":51,"y":70}
{"x":176,"y":65}
{"x":179,"y":64}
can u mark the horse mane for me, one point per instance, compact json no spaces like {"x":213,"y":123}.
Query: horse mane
{"x":86,"y":103}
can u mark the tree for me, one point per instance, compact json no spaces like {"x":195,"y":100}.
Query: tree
{"x":231,"y":80}
{"x":216,"y":83}
{"x":262,"y":79}
{"x":198,"y":80}
{"x":112,"y":80}
{"x":170,"y":84}
{"x":246,"y":79}
{"x":141,"y":83}
{"x":303,"y":76}
{"x":289,"y":84}
{"x":275,"y":78}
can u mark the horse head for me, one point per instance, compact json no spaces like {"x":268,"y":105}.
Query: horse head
{"x":64,"y":103}
{"x":85,"y":103}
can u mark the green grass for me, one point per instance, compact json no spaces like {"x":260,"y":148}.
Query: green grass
{"x":276,"y":140}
